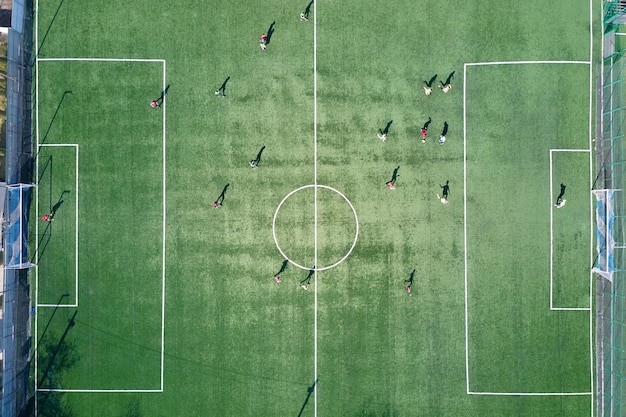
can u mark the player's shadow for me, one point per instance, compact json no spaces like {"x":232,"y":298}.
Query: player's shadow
{"x":258,"y":155}
{"x":54,"y":207}
{"x":56,"y":112}
{"x":309,"y":392}
{"x":386,"y":129}
{"x":282,"y":267}
{"x":394,"y":176}
{"x":45,"y":36}
{"x":307,"y":11}
{"x":411,"y":278}
{"x":270,"y":32}
{"x":222,"y":195}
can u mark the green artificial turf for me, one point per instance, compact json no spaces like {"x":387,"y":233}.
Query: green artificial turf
{"x":234,"y":342}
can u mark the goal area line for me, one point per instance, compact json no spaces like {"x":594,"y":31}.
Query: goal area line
{"x":160,"y":385}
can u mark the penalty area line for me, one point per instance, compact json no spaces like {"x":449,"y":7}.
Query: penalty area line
{"x":97,"y":390}
{"x":532,"y":394}
{"x":103,"y":59}
{"x":476,"y":64}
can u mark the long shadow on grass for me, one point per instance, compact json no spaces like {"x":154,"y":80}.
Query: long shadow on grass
{"x":56,"y":358}
{"x":197,"y":365}
{"x":65,"y":360}
{"x":41,"y":245}
{"x":45,"y":136}
{"x":45,"y":36}
{"x":309,"y":392}
{"x":44,"y":168}
{"x":41,"y":338}
{"x":270,"y":32}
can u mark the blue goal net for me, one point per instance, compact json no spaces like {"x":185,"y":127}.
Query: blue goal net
{"x":16,"y":227}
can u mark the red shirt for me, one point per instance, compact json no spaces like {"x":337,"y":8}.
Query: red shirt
{"x":424,"y":133}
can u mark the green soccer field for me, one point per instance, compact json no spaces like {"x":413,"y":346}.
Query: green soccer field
{"x":151,"y":302}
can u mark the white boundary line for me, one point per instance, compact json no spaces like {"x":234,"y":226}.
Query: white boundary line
{"x":164,"y":199}
{"x":591,"y":211}
{"x":465,"y":261}
{"x":550,"y":195}
{"x":315,"y":312}
{"x":76,"y":147}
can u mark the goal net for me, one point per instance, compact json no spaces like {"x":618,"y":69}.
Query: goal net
{"x":16,"y":227}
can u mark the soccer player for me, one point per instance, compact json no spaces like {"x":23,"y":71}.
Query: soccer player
{"x":428,"y":85}
{"x":444,"y":193}
{"x":304,"y":284}
{"x":560,"y":201}
{"x":47,"y":218}
{"x":221,"y":92}
{"x":447,"y":86}
{"x":159,"y":101}
{"x":409,"y":282}
{"x":444,"y":132}
{"x":304,"y":16}
{"x":392,"y":184}
{"x":382,"y":133}
{"x":277,"y":279}
{"x":425,"y":130}
{"x":255,"y":162}
{"x":263,"y":42}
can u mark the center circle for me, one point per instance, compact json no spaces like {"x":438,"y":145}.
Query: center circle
{"x":333,"y":222}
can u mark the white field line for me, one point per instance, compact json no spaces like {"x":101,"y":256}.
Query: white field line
{"x":551,"y":231}
{"x":476,"y":64}
{"x":534,"y":394}
{"x":591,"y":205}
{"x":550,"y":196}
{"x":164,"y":143}
{"x":57,"y":305}
{"x":465,"y":261}
{"x":163,"y":62}
{"x":316,"y":277}
{"x":102,"y":59}
{"x":467,"y":377}
{"x":97,"y":390}
{"x":36,"y":318}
